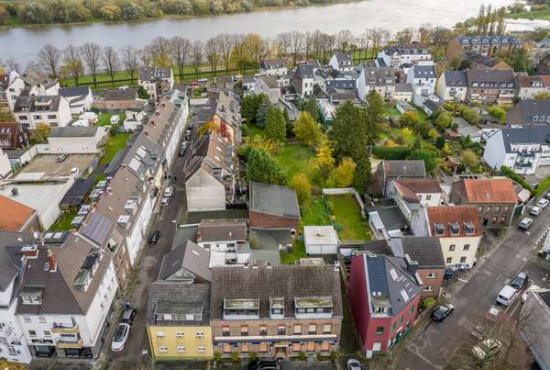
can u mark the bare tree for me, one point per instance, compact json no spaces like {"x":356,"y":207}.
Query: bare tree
{"x":404,"y":36}
{"x":181,"y":49}
{"x":343,"y":40}
{"x":49,"y":59}
{"x":146,"y":56}
{"x":225,"y":42}
{"x":130,"y":61}
{"x":256,"y":48}
{"x":212,"y":51}
{"x":308,"y":43}
{"x":110,"y":61}
{"x":13,"y":65}
{"x":364,"y":44}
{"x":375,"y":36}
{"x":283,"y":44}
{"x":239,"y":52}
{"x":197,"y":55}
{"x":91,"y":53}
{"x":425,"y":33}
{"x":296,"y":41}
{"x":161,"y":50}
{"x":72,"y":63}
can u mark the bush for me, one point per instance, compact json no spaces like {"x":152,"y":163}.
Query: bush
{"x":302,"y":356}
{"x":427,"y":303}
{"x":217,"y":356}
{"x":391,"y":153}
{"x":235,"y":357}
{"x":508,"y":172}
{"x":541,"y":188}
{"x":245,"y":130}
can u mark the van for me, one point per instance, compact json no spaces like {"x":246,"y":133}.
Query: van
{"x":525,"y":223}
{"x":507,"y":295}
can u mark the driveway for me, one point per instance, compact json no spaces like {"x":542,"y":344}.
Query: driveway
{"x":475,"y":294}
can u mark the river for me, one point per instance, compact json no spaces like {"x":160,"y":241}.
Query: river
{"x":23,"y":43}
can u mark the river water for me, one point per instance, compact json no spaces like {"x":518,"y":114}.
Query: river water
{"x":22,"y":44}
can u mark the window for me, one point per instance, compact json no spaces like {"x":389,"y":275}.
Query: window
{"x":449,"y":260}
{"x":412,"y":309}
{"x":379,"y":330}
{"x":466,"y":247}
{"x":281,"y":330}
{"x":244,"y":348}
{"x":431,"y":275}
{"x":201,"y":349}
{"x":296,"y":347}
{"x":506,"y":209}
{"x":452,"y":248}
{"x":480,"y":209}
{"x":37,"y":116}
{"x":263,"y":330}
{"x":497,"y":209}
{"x":263,"y":347}
{"x":489,"y":209}
{"x":226,"y":331}
{"x":181,"y":349}
{"x":180,"y":334}
{"x":163,"y":349}
{"x":327,"y":329}
{"x":26,"y":319}
{"x":199,"y":334}
{"x":244,"y":331}
{"x":462,"y":259}
{"x":325,"y":346}
{"x":428,"y":197}
{"x":401,"y":320}
{"x":41,"y":319}
{"x":310,"y":346}
{"x":312,"y":329}
{"x":47,"y":333}
{"x":52,"y":116}
{"x":297,"y":329}
{"x":428,"y":288}
{"x":161,"y":334}
{"x":32,"y":333}
{"x":226,"y":348}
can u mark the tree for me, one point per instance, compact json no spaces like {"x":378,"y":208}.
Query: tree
{"x":209,"y":126}
{"x":239,"y":53}
{"x":363,"y":173}
{"x":261,"y":113}
{"x":296,"y":38}
{"x":197,"y":56}
{"x":40,"y":134}
{"x":161,"y":52}
{"x":542,"y":96}
{"x":225,"y":43}
{"x":302,"y":187}
{"x":6,"y":116}
{"x":343,"y":40}
{"x":518,"y":60}
{"x":212,"y":51}
{"x":110,"y":61}
{"x":180,"y":53}
{"x":324,"y":159}
{"x":256,"y":48}
{"x":343,"y":175}
{"x":262,"y":167}
{"x":91,"y":53}
{"x":7,"y":365}
{"x":469,"y":160}
{"x":306,"y":129}
{"x":275,"y":128}
{"x":130,"y":61}
{"x":49,"y":58}
{"x":428,"y":156}
{"x":311,"y":108}
{"x":72,"y":63}
{"x":349,"y":132}
{"x":374,"y":113}
{"x":250,"y":105}
{"x":440,"y":143}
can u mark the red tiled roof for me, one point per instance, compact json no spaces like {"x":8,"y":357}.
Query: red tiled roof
{"x":445,"y":215}
{"x":13,"y":215}
{"x":490,"y":191}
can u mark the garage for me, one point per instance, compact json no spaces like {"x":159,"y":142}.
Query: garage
{"x":321,"y":240}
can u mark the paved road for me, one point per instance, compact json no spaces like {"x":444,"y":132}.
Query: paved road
{"x":439,"y":342}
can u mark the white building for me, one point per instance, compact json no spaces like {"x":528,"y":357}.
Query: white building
{"x":452,"y":86}
{"x":303,"y":79}
{"x":156,"y":80}
{"x":379,"y":79}
{"x":5,"y":165}
{"x":47,"y":109}
{"x":397,"y":56}
{"x":226,"y":241}
{"x":321,"y":240}
{"x":273,"y":67}
{"x":424,"y":191}
{"x":80,"y":98}
{"x":423,"y":79}
{"x":531,"y":86}
{"x":268,"y":85}
{"x":76,"y":140}
{"x":31,"y":83}
{"x":341,"y":61}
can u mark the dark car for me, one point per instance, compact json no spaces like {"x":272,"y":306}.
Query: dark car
{"x":154,"y":237}
{"x":264,"y":365}
{"x":442,"y":311}
{"x":520,"y":281}
{"x":128,"y":315}
{"x":182,"y":151}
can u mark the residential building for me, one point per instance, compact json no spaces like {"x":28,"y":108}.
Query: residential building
{"x":50,"y":110}
{"x":341,"y":61}
{"x":384,"y":294}
{"x":529,"y":112}
{"x":73,"y":140}
{"x":478,"y":61}
{"x":273,"y":67}
{"x":273,"y":207}
{"x":459,"y":231}
{"x":495,"y":199}
{"x":423,"y":190}
{"x":66,"y":298}
{"x":80,"y":98}
{"x":452,"y":86}
{"x":521,"y":149}
{"x":398,"y":55}
{"x":17,"y":217}
{"x":397,"y":169}
{"x":178,"y":321}
{"x":251,"y":311}
{"x":4,"y":87}
{"x":209,"y":174}
{"x":403,"y":92}
{"x":379,"y":79}
{"x":5,"y":165}
{"x":491,"y":86}
{"x":117,"y":99}
{"x":13,"y":135}
{"x":321,"y":240}
{"x":226,"y":241}
{"x":484,"y":45}
{"x":32,"y":83}
{"x":186,"y":263}
{"x":530,"y":86}
{"x":227,"y":116}
{"x":535,"y":328}
{"x":156,"y":80}
{"x":423,"y":79}
{"x":303,"y":79}
{"x":268,"y":85}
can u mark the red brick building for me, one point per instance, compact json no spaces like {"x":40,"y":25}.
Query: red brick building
{"x":273,"y":207}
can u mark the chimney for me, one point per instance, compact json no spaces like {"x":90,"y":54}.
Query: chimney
{"x":14,"y":191}
{"x":52,"y":262}
{"x":412,"y":266}
{"x":30,"y":251}
{"x":268,"y":265}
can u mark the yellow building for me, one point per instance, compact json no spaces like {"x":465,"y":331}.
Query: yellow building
{"x":178,"y":321}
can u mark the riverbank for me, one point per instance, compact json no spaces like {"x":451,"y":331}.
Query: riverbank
{"x":543,"y":15}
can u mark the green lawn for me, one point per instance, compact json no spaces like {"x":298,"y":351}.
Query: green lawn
{"x":535,"y":14}
{"x":316,"y":214}
{"x":63,"y":223}
{"x":254,"y":130}
{"x":392,"y":112}
{"x":295,"y":159}
{"x":349,"y":222}
{"x":114,"y":145}
{"x":105,"y":118}
{"x":299,"y":251}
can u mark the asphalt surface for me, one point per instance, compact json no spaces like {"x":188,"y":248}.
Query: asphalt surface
{"x":438,"y":343}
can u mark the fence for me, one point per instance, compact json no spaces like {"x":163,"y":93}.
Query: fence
{"x":342,"y":191}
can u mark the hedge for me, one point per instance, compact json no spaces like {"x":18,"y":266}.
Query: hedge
{"x":508,"y":172}
{"x":391,"y":152}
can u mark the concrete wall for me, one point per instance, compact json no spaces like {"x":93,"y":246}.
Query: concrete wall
{"x":204,"y":193}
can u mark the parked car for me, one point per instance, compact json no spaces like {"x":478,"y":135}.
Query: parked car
{"x":121,"y":337}
{"x":548,"y":196}
{"x":442,"y":311}
{"x":263,"y":365}
{"x":525,"y":223}
{"x":202,"y":80}
{"x":486,"y":349}
{"x":542,"y":203}
{"x":115,"y":119}
{"x":62,"y":157}
{"x":128,"y":315}
{"x":535,"y":211}
{"x":520,"y":281}
{"x":154,"y":237}
{"x":168,"y":192}
{"x":182,"y":152}
{"x":353,"y":364}
{"x":164,"y":202}
{"x":507,"y":295}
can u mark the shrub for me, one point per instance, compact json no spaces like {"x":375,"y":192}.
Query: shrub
{"x":217,"y":356}
{"x":235,"y":357}
{"x":391,"y":153}
{"x":427,"y":303}
{"x":302,"y":356}
{"x":508,"y":172}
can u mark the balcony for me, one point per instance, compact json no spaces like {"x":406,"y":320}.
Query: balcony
{"x":67,"y":343}
{"x":65,"y":329}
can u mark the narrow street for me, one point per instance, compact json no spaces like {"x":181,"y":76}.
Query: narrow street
{"x":439,"y":342}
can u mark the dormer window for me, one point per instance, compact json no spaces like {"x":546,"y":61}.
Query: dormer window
{"x":124,"y":221}
{"x":455,"y":228}
{"x":439,"y":229}
{"x":313,"y":307}
{"x":469,"y":228}
{"x":241,"y":309}
{"x":83,"y":280}
{"x":31,"y":296}
{"x":276,"y":308}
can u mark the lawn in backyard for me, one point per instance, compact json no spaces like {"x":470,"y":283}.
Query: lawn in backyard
{"x":63,"y":223}
{"x":348,"y":219}
{"x":316,"y":214}
{"x":295,"y":159}
{"x":105,"y":118}
{"x":299,"y":251}
{"x":114,"y":145}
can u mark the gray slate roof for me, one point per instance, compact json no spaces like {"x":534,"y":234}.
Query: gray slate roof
{"x":272,"y":64}
{"x":499,"y":77}
{"x":177,"y":298}
{"x":404,"y":168}
{"x":455,"y":79}
{"x":529,"y":112}
{"x":188,"y":256}
{"x":69,"y":92}
{"x":304,"y":71}
{"x":121,"y":94}
{"x":421,"y":71}
{"x":273,"y":200}
{"x":71,"y":131}
{"x":403,"y":88}
{"x":529,"y":134}
{"x":424,"y":250}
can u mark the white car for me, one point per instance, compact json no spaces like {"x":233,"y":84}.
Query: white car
{"x":487,"y":348}
{"x":353,"y":364}
{"x":164,"y":202}
{"x":535,"y":211}
{"x":168,"y":192}
{"x":525,"y":223}
{"x":542,"y":203}
{"x":115,"y":119}
{"x":121,"y":337}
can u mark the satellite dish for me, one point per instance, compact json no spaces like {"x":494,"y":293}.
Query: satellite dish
{"x":35,"y":234}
